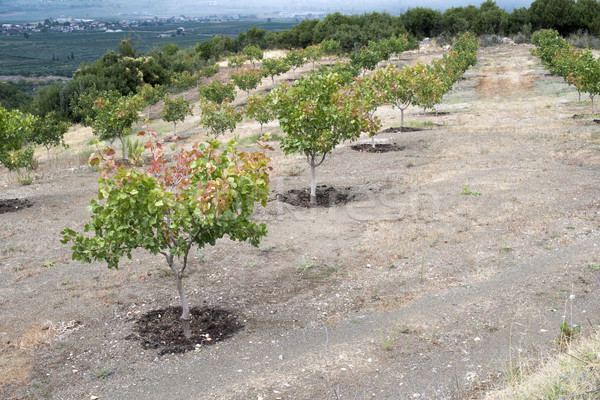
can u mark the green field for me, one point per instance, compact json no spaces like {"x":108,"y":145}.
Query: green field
{"x":50,"y":54}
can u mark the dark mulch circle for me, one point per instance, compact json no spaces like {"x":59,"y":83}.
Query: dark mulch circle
{"x":578,"y":116}
{"x":597,"y":121}
{"x":398,"y":129}
{"x":327,"y":196}
{"x":379,"y":147}
{"x":11,"y":205}
{"x":162,"y":329}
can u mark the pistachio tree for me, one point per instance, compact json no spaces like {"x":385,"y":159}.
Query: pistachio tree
{"x":260,"y":109}
{"x":217,"y":91}
{"x":253,"y":54}
{"x":398,"y":86}
{"x":15,"y":152}
{"x":317,"y":114}
{"x":295,"y":59}
{"x":151,"y":95}
{"x":205,"y":193}
{"x":111,"y":116}
{"x":274,"y":67}
{"x":175,"y":110}
{"x":49,"y":131}
{"x":247,"y":79}
{"x":219,"y":118}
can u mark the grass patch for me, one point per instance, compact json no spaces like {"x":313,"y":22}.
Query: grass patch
{"x":273,"y":137}
{"x":574,"y":373}
{"x":469,"y":192}
{"x":552,"y":87}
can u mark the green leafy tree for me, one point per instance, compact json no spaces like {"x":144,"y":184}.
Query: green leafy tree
{"x":206,"y":193}
{"x":247,"y":79}
{"x":260,"y":109}
{"x":317,"y":114}
{"x":429,"y":87}
{"x":210,"y":70}
{"x":236,"y":61}
{"x":218,"y":91}
{"x":111,"y":116}
{"x":184,"y":80}
{"x":331,"y":47}
{"x":151,"y":95}
{"x":371,"y":98}
{"x":274,"y":67}
{"x":253,"y":54}
{"x":313,"y":54}
{"x":49,"y":131}
{"x":219,"y":118}
{"x":295,"y":59}
{"x":398,"y":86}
{"x":15,"y":152}
{"x":365,"y":59}
{"x":175,"y":110}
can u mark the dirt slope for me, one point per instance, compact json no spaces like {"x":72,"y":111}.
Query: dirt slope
{"x":414,"y":290}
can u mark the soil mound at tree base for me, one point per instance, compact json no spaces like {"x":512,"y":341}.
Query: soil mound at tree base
{"x":379,"y":148}
{"x":397,"y":129}
{"x":11,"y":205}
{"x":327,"y":196}
{"x":162,"y":329}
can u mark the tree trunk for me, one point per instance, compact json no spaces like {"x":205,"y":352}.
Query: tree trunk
{"x":402,"y":119}
{"x":373,"y":142}
{"x":592,"y":97}
{"x":174,"y":128}
{"x":123,"y":147}
{"x":579,"y":93}
{"x":261,"y":129}
{"x":273,"y":79}
{"x":185,"y":307}
{"x":425,"y":113}
{"x":48,"y":153}
{"x":313,"y":184}
{"x":148,"y":113}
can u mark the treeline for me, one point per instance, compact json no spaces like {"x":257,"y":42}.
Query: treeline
{"x":577,"y":67}
{"x":565,"y":16}
{"x":126,"y":70}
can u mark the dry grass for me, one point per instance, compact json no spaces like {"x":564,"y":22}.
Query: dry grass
{"x":575,"y":372}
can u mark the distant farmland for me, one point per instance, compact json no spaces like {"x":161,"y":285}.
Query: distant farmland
{"x":50,"y":54}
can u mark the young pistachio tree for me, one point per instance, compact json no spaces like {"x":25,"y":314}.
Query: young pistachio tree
{"x":184,"y":81}
{"x":49,"y":131}
{"x":317,"y":114}
{"x":15,"y":152}
{"x":260,"y":109}
{"x":247,"y":79}
{"x":371,"y":96}
{"x":217,"y":91}
{"x":253,"y":54}
{"x":274,"y":67}
{"x":236,"y":61}
{"x":175,"y":110}
{"x":586,"y":75}
{"x":331,"y":47}
{"x":219,"y":118}
{"x":366,"y":59}
{"x":313,"y":54}
{"x":429,"y":87}
{"x":151,"y":95}
{"x":398,"y":86}
{"x":111,"y":116}
{"x":205,"y":193}
{"x":295,"y":59}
